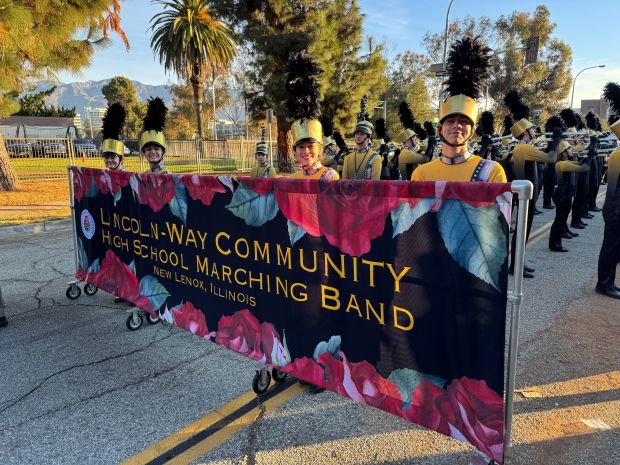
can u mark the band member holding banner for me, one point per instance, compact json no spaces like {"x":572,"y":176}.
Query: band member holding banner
{"x":363,"y":162}
{"x":468,"y":68}
{"x":152,"y":140}
{"x":263,"y":169}
{"x":610,"y":250}
{"x":112,"y":149}
{"x":302,"y":104}
{"x":408,"y":158}
{"x":525,"y":157}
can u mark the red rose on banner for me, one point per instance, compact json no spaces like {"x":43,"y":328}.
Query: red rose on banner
{"x":334,"y":373}
{"x":259,"y":185}
{"x":424,"y":408}
{"x":111,"y":181}
{"x":192,"y":319}
{"x":475,"y":194}
{"x":275,"y":353}
{"x":240,"y":332}
{"x":202,"y":188}
{"x":308,"y":370}
{"x":154,"y":190}
{"x":477,"y":412}
{"x":81,"y":183}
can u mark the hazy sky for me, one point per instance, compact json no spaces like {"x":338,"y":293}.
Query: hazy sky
{"x":589,"y":28}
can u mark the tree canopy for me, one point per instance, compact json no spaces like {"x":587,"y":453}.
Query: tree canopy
{"x":121,"y":90}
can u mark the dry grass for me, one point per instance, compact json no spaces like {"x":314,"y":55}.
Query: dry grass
{"x":35,"y":202}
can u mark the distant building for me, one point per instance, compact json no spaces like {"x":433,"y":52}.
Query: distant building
{"x":38,"y":127}
{"x":94,"y":118}
{"x":227,"y":129}
{"x":599,"y":106}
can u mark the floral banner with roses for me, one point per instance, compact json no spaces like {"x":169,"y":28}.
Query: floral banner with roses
{"x":390,"y":293}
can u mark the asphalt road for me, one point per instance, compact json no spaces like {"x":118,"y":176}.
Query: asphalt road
{"x":76,"y":387}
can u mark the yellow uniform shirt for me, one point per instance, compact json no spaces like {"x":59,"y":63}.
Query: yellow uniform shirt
{"x":436,"y":170}
{"x":409,"y":157}
{"x":322,"y":173}
{"x":267,"y":171}
{"x":356,"y":165}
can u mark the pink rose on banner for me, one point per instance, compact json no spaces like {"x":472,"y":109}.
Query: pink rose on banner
{"x":308,"y":370}
{"x":275,"y":353}
{"x":424,"y":408}
{"x":154,"y":190}
{"x":202,"y":188}
{"x":241,"y":332}
{"x":111,"y":181}
{"x":259,"y":185}
{"x":192,"y":319}
{"x":81,"y":183}
{"x":477,"y":412}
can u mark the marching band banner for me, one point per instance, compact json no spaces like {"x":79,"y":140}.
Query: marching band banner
{"x":390,"y":293}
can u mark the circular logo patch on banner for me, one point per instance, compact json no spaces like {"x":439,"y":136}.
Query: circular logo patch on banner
{"x":88,"y":224}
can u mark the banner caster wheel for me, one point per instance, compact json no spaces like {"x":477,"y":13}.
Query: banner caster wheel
{"x":73,"y":291}
{"x":261,"y":381}
{"x":134,"y":321}
{"x":278,"y":376}
{"x":152,"y":319}
{"x":90,"y":289}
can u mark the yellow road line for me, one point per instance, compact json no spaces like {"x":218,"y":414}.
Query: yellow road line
{"x":209,"y":443}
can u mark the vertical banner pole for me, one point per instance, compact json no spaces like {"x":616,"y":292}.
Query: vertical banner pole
{"x":524,"y":189}
{"x":72,"y":206}
{"x":198,"y":157}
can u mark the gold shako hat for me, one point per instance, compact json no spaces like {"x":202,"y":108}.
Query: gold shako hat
{"x":520,"y":113}
{"x":261,"y":147}
{"x":611,"y":93}
{"x":363,"y":118}
{"x":328,"y":131}
{"x":112,"y":126}
{"x":154,"y":123}
{"x":468,"y":69}
{"x":303,"y":96}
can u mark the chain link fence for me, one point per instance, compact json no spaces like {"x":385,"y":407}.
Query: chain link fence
{"x":38,"y":159}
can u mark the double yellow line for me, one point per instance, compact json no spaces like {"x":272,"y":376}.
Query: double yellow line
{"x":198,"y":438}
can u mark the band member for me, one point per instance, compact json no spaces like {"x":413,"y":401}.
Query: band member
{"x":525,"y":156}
{"x":408,"y":157}
{"x":468,"y":68}
{"x":593,"y":125}
{"x":302,"y":104}
{"x":581,"y":190}
{"x":485,"y":129}
{"x":363,"y":162}
{"x":152,"y":140}
{"x":330,"y":149}
{"x":610,"y":249}
{"x":112,"y":149}
{"x":263,"y":169}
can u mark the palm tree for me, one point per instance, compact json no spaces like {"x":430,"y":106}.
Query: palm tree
{"x":191,"y":43}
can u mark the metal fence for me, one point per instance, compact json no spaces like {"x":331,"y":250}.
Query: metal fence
{"x":36,"y":159}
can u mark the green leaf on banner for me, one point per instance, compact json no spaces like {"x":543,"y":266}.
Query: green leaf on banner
{"x":254,"y":209}
{"x":474,"y":238}
{"x":82,"y":257}
{"x":406,"y":380}
{"x":132,"y":267}
{"x":93,"y":190}
{"x":94,"y":266}
{"x":404,"y":216}
{"x":332,"y":346}
{"x":295,"y":232}
{"x":178,"y":204}
{"x":154,"y":291}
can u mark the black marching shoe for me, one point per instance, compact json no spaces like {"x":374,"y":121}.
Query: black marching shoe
{"x":529,"y":269}
{"x":3,"y":321}
{"x":588,"y":216}
{"x":118,"y":300}
{"x":610,"y":291}
{"x":579,"y":225}
{"x":557,"y":248}
{"x":537,"y":211}
{"x":548,"y":207}
{"x":595,"y":209}
{"x":571,"y":233}
{"x":566,"y":235}
{"x":526,"y":274}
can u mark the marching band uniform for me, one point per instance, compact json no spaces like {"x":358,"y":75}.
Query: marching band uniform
{"x":408,"y":158}
{"x":363,"y":162}
{"x":263,"y":169}
{"x":112,"y":148}
{"x":463,"y":87}
{"x":610,"y":249}
{"x":302,"y":103}
{"x":330,"y":149}
{"x":593,"y":126}
{"x":152,"y":140}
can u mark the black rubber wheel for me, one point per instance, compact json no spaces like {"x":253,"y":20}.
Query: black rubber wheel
{"x":152,"y":319}
{"x":90,"y":289}
{"x":132,"y":323}
{"x":261,"y":381}
{"x":73,"y":292}
{"x":278,"y":376}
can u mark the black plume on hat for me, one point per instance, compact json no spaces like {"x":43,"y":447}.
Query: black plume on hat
{"x":420,"y":131}
{"x":155,"y":118}
{"x":363,"y":114}
{"x":328,"y":126}
{"x":430,"y":129}
{"x":381,"y":130}
{"x":555,"y":122}
{"x":487,"y":123}
{"x":342,"y":145}
{"x":592,"y":121}
{"x":568,"y":116}
{"x":113,"y":122}
{"x":406,"y":116}
{"x":611,"y":93}
{"x":303,"y":87}
{"x":508,"y":123}
{"x":579,"y":124}
{"x":262,"y":135}
{"x":517,"y":107}
{"x":467,"y":67}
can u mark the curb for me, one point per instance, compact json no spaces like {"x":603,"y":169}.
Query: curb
{"x":35,"y":228}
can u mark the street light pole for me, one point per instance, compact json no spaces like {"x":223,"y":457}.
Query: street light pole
{"x":445,"y":35}
{"x":575,"y":80}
